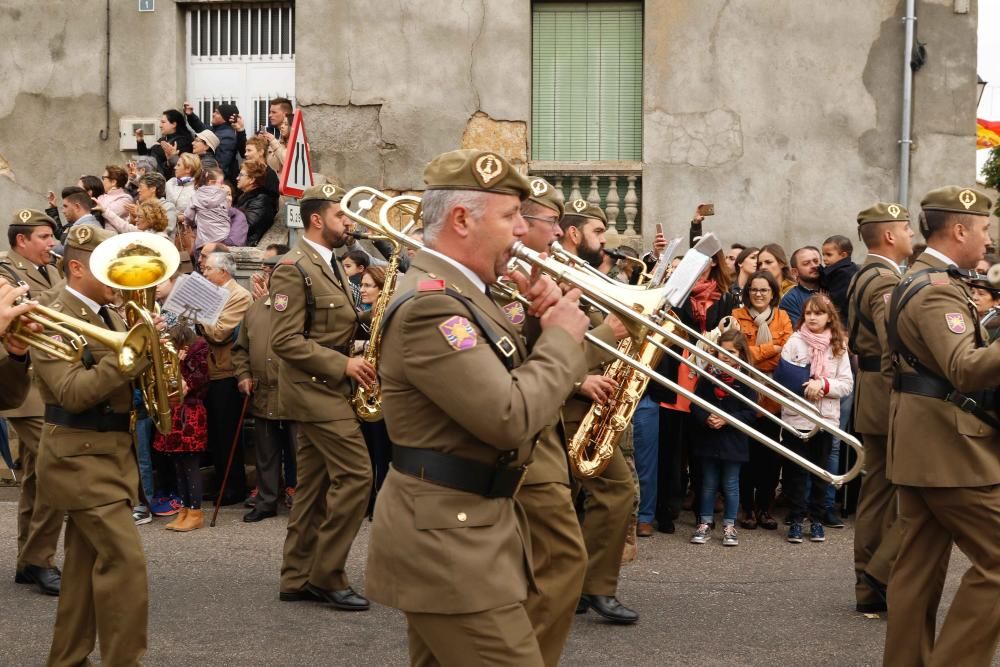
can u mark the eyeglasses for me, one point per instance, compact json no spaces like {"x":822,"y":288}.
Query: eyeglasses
{"x":105,"y":177}
{"x":760,"y":290}
{"x":552,"y":221}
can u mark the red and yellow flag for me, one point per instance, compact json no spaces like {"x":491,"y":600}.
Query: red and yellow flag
{"x":987,"y":133}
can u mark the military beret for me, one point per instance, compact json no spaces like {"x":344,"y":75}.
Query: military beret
{"x":956,"y":199}
{"x":325,"y":192}
{"x":470,"y":169}
{"x":29,"y":217}
{"x":883,"y":212}
{"x":543,"y":193}
{"x":585,"y":209}
{"x":87,"y":237}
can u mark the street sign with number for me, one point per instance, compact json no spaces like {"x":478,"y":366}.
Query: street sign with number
{"x":296,"y":174}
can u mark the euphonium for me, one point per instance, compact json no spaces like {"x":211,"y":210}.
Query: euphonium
{"x":134,"y":264}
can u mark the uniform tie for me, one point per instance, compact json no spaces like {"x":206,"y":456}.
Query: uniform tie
{"x":105,"y":314}
{"x":44,"y":270}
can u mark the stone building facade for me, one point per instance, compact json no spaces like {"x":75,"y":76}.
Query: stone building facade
{"x":784,"y":113}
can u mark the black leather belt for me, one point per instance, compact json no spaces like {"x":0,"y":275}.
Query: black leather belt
{"x":91,"y":420}
{"x":922,"y":385}
{"x":870,"y":364}
{"x":343,"y":349}
{"x":454,"y":472}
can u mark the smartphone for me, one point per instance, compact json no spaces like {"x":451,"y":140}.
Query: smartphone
{"x":659,"y":229}
{"x":706,"y":210}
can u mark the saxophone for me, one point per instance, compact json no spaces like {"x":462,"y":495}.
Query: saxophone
{"x":367,"y":403}
{"x":592,"y":446}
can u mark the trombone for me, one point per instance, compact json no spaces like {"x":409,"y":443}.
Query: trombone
{"x":637,"y":308}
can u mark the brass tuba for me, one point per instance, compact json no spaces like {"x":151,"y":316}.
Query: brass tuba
{"x":134,"y":264}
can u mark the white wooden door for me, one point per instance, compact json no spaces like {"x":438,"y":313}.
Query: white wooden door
{"x":243,"y":54}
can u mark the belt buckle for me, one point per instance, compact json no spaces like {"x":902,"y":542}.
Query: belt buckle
{"x":967,"y":404}
{"x":506,"y":347}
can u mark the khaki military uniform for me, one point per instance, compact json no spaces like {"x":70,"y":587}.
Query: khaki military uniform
{"x":38,"y":525}
{"x":610,"y":495}
{"x":558,"y":554}
{"x":444,"y":389}
{"x":332,"y":459}
{"x":876,"y":535}
{"x":14,"y":379}
{"x":94,"y":477}
{"x":946,"y":465}
{"x":254,"y":360}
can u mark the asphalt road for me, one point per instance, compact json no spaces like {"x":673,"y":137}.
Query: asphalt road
{"x":214,"y":601}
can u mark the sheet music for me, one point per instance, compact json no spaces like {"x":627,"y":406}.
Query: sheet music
{"x":686,"y":274}
{"x":195,"y":298}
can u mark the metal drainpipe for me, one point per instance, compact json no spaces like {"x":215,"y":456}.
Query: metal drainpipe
{"x":106,"y":132}
{"x":905,"y":142}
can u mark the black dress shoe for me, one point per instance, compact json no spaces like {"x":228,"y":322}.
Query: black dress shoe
{"x":583,"y":605}
{"x":47,"y":580}
{"x":610,"y":608}
{"x":302,"y":595}
{"x":345,"y":600}
{"x":871,"y":607}
{"x":665,"y":526}
{"x":878,"y":587}
{"x":257,"y":514}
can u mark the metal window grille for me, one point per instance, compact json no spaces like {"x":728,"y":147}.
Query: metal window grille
{"x":241,"y":33}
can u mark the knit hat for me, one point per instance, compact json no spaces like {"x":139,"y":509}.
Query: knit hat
{"x":227,"y":111}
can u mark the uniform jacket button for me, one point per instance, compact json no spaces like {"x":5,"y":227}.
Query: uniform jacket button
{"x":314,"y":378}
{"x":462,"y":516}
{"x":86,"y":445}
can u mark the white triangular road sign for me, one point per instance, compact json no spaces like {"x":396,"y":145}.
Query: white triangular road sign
{"x":296,"y":174}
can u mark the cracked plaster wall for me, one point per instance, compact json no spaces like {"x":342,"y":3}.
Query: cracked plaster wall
{"x":786,"y":114}
{"x":423,"y":78}
{"x":52,"y":109}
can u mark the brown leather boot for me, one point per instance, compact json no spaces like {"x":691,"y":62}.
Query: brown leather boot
{"x":178,"y":519}
{"x":195,"y":519}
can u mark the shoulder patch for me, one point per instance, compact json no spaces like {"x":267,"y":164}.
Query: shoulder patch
{"x":955,"y":322}
{"x":436,"y":285}
{"x":458,"y":332}
{"x":514,"y":312}
{"x":940,"y":278}
{"x":280,"y":302}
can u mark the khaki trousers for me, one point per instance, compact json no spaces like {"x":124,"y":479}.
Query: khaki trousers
{"x":605,"y":525}
{"x":876,"y":533}
{"x":104,"y":590}
{"x":334,"y":480}
{"x":38,"y":524}
{"x":559,"y":562}
{"x":495,"y":638}
{"x":930,"y":520}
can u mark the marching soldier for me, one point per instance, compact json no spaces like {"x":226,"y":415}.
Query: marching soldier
{"x":944,"y":444}
{"x":87,"y":467}
{"x":465,"y":405}
{"x":13,"y":355}
{"x":886,"y":232}
{"x":32,"y":236}
{"x":257,"y":370}
{"x":611,"y":495}
{"x":558,"y":555}
{"x":313,"y":325}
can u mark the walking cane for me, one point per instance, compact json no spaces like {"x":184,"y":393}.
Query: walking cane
{"x":229,"y":465}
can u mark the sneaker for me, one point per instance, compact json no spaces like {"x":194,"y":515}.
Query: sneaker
{"x":168,"y":506}
{"x":289,"y":496}
{"x":729,"y":538}
{"x":141,"y":515}
{"x":251,"y":500}
{"x":795,"y":533}
{"x":831,"y":519}
{"x":701,"y":534}
{"x":816,"y":533}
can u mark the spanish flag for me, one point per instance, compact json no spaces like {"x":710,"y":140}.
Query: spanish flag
{"x":987,"y":133}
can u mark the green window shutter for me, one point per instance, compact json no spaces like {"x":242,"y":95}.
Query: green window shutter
{"x":586,"y":81}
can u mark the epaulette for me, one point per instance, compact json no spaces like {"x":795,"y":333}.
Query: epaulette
{"x":288,"y":262}
{"x":940,"y":278}
{"x":431,"y":285}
